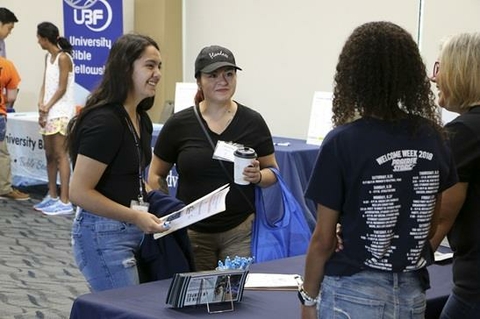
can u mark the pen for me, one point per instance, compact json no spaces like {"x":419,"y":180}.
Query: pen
{"x":282,"y":144}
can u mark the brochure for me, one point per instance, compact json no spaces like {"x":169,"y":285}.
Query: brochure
{"x":206,"y":287}
{"x":206,"y":206}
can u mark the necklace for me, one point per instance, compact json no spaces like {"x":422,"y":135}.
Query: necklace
{"x":219,"y":123}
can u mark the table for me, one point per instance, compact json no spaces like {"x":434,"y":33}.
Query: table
{"x":147,"y":301}
{"x":25,"y":145}
{"x":295,"y":159}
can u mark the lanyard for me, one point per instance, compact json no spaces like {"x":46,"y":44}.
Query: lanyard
{"x":139,"y":156}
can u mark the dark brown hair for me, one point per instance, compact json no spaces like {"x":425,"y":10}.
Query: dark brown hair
{"x":381,"y":74}
{"x":116,"y":81}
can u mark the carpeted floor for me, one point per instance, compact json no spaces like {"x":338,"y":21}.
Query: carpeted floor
{"x":38,"y":276}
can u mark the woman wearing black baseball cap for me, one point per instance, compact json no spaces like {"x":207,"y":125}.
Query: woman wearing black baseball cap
{"x":183,"y":142}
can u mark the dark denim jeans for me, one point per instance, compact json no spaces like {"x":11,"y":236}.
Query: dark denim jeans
{"x":457,"y":307}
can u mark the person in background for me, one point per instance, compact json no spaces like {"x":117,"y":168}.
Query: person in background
{"x":109,"y":144}
{"x":56,"y":106}
{"x":10,"y":78}
{"x":380,"y":176}
{"x":9,"y":81}
{"x":7,"y":22}
{"x":183,"y":142}
{"x":457,"y":76}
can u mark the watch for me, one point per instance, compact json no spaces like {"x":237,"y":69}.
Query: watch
{"x":305,"y":298}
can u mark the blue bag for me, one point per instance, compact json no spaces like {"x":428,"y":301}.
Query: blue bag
{"x":287,"y":236}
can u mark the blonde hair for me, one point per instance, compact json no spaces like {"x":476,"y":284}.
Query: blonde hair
{"x":460,"y":70}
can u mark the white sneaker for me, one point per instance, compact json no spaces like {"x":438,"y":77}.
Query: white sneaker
{"x":58,"y":208}
{"x":46,"y":201}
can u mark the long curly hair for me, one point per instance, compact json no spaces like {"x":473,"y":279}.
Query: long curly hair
{"x":381,"y":74}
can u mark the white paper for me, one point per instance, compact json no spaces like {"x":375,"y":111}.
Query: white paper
{"x":320,"y":117}
{"x":184,"y":95}
{"x":442,"y":256}
{"x":206,"y":206}
{"x":260,"y":281}
{"x":448,"y":116}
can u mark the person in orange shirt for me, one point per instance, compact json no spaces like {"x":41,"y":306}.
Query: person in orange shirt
{"x":9,"y":80}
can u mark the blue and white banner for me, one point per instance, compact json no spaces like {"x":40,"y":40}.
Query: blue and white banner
{"x":91,"y":26}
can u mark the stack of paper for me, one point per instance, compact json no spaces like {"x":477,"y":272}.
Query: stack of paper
{"x":257,"y":281}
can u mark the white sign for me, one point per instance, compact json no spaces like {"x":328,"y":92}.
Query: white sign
{"x":184,"y":95}
{"x":320,"y":117}
{"x":25,"y":145}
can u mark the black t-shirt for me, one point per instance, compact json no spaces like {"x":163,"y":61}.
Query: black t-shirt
{"x":183,"y":142}
{"x":104,"y":135}
{"x":384,"y":183}
{"x":464,"y":237}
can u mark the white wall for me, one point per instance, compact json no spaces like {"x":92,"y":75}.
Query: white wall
{"x":287,"y":49}
{"x":443,"y":18}
{"x":23,"y":49}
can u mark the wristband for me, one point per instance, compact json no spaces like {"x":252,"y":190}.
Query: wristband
{"x":305,"y":298}
{"x":260,"y":178}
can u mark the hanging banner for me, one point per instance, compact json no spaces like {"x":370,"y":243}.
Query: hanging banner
{"x":91,"y":26}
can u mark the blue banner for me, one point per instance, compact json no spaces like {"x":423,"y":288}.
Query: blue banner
{"x":91,"y":26}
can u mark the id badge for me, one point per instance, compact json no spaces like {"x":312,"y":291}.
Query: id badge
{"x":224,"y":151}
{"x":135,"y":204}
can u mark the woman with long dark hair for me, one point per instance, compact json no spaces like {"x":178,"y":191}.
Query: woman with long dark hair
{"x":56,"y":106}
{"x":109,"y":143}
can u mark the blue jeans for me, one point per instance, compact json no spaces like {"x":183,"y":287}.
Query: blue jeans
{"x":457,"y":307}
{"x":3,"y":127}
{"x":104,"y":250}
{"x":372,"y":295}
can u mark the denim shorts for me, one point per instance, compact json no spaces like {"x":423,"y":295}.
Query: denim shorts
{"x":372,"y":295}
{"x":104,"y":250}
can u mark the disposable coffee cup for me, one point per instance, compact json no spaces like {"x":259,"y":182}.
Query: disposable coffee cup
{"x":243,"y":157}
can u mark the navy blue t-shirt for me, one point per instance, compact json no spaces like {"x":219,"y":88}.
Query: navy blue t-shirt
{"x":383,"y":179}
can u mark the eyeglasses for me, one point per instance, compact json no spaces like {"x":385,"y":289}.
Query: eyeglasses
{"x":436,"y":68}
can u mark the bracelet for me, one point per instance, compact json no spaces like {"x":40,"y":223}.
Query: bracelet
{"x":305,"y":298}
{"x":260,"y":178}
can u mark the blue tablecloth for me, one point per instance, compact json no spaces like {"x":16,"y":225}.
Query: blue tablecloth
{"x":295,"y":159}
{"x":147,"y":301}
{"x":294,"y":156}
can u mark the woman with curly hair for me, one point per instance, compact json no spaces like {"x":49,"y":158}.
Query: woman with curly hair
{"x":379,"y":174}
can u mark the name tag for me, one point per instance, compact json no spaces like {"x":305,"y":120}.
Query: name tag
{"x":135,"y":204}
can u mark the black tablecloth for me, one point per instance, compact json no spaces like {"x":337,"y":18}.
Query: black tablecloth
{"x":147,"y":301}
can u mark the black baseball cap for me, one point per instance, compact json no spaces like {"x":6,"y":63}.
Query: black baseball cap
{"x":214,"y":57}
